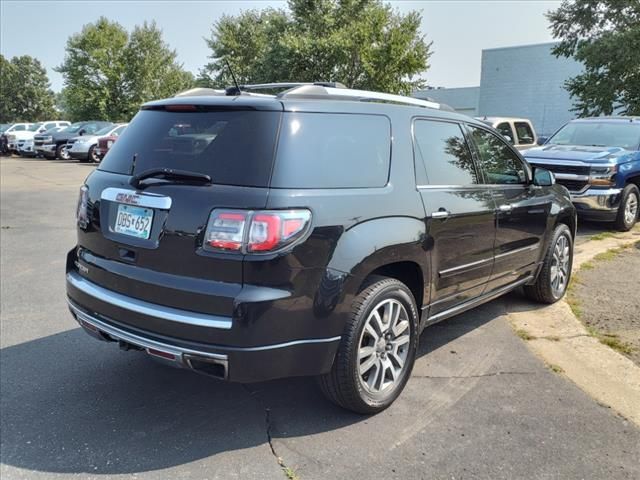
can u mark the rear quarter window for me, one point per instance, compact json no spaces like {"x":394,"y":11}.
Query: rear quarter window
{"x":332,"y":150}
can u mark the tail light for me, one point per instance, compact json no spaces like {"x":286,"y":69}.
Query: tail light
{"x":82,"y":211}
{"x":262,"y":231}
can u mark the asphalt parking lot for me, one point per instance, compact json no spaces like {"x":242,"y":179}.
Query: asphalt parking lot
{"x":479,"y":404}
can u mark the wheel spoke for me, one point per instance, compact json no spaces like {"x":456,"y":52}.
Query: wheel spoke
{"x":400,"y":341}
{"x":366,"y":352}
{"x":377,"y":322}
{"x":371,"y":331}
{"x":366,"y":366}
{"x":397,"y":358}
{"x":400,"y":327}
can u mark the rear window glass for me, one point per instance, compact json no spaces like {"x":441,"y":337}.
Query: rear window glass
{"x":332,"y":150}
{"x":232,"y":147}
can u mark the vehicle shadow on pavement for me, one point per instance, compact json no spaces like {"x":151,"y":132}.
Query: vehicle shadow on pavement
{"x":73,"y":405}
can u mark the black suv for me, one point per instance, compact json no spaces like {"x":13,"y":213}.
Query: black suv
{"x":313,"y":232}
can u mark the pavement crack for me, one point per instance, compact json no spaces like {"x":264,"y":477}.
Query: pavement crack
{"x":288,"y":471}
{"x":493,"y":374}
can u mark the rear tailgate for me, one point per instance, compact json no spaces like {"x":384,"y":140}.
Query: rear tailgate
{"x":146,"y":242}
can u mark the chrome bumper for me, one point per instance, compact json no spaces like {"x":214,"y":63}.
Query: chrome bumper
{"x":172,"y":354}
{"x":47,"y":147}
{"x":597,"y":201}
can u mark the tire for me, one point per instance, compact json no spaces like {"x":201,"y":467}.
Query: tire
{"x":61,"y":153}
{"x":556,"y":268}
{"x":629,"y":207}
{"x":348,"y":384}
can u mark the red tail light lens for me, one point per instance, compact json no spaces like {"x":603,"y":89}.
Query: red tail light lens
{"x":82,"y":210}
{"x":225,"y":230}
{"x":255,"y":231}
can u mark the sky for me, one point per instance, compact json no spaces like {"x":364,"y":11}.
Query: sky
{"x":459,"y":30}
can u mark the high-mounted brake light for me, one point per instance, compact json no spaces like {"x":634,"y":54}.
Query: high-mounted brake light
{"x":260,"y":231}
{"x":180,"y":108}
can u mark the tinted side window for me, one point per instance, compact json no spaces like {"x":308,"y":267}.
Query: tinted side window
{"x":332,"y":150}
{"x":442,"y":150}
{"x":505,"y":130}
{"x":498,"y":162}
{"x":524,"y":132}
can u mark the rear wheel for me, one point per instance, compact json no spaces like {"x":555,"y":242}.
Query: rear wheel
{"x":377,"y":351}
{"x":628,"y":210}
{"x":553,"y":279}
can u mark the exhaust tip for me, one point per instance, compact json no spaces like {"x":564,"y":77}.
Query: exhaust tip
{"x":208,"y":366}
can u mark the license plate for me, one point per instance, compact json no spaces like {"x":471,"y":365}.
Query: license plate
{"x":134,"y":221}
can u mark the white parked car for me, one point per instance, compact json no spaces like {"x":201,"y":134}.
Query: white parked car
{"x":519,"y":131}
{"x":26,"y":147}
{"x":32,"y":129}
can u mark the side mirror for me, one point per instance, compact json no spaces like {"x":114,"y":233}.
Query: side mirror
{"x":509,"y":139}
{"x":543,"y":177}
{"x":81,"y":132}
{"x":542,"y":140}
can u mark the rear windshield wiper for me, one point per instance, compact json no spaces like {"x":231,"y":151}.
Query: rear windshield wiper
{"x":170,"y":174}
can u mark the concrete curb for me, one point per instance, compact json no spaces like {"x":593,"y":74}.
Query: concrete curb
{"x":562,"y":341}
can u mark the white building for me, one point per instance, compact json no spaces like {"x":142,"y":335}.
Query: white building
{"x":524,"y":81}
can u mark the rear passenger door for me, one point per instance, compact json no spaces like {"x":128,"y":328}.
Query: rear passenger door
{"x":460,"y":213}
{"x":522,"y":208}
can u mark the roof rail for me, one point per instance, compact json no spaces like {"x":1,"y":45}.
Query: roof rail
{"x":278,"y":85}
{"x":320,"y":91}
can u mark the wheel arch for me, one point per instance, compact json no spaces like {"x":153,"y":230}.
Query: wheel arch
{"x":395,"y":247}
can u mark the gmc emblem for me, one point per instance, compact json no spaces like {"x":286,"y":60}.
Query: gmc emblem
{"x":130,"y":198}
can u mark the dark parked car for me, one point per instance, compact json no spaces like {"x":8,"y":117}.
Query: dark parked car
{"x":598,"y":160}
{"x":256,"y":237}
{"x":53,"y":145}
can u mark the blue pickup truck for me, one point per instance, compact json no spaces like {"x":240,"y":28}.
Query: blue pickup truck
{"x":598,"y":160}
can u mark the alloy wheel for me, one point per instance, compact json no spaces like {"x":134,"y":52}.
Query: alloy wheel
{"x":384,"y":346}
{"x":560,"y":264}
{"x":631,"y":209}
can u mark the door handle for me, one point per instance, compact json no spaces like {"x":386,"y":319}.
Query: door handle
{"x":442,"y":213}
{"x":506,"y":208}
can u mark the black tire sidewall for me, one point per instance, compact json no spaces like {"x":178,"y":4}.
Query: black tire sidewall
{"x":395,"y":290}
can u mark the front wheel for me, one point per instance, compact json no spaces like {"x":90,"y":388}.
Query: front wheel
{"x":377,"y":351}
{"x":628,"y":210}
{"x":62,"y":153}
{"x":554,"y":277}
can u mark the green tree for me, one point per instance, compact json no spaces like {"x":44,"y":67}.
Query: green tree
{"x":605,"y":36}
{"x":109,"y":73}
{"x":151,"y":70}
{"x":361,"y":43}
{"x":25,"y":92}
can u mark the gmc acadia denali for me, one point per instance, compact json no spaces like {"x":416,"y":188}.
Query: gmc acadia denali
{"x":313,"y":232}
